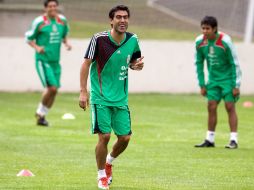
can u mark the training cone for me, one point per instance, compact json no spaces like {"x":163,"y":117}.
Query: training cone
{"x":68,"y":116}
{"x":247,"y":104}
{"x":26,"y":173}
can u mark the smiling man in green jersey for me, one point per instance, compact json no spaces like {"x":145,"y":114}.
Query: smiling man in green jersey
{"x":224,"y":77}
{"x":46,"y":35}
{"x":109,"y":55}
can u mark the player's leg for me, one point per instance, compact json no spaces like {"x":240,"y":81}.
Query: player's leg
{"x":48,"y":96}
{"x":50,"y":80}
{"x":232,"y":116}
{"x":42,"y":108}
{"x":121,"y":124}
{"x":53,"y":77}
{"x":214,"y":96}
{"x":212,"y":115}
{"x":101,"y":124}
{"x":120,"y":145}
{"x":46,"y":103}
{"x":232,"y":119}
{"x":101,"y":152}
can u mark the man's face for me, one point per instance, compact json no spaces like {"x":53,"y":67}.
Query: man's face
{"x":208,"y":31}
{"x":120,"y":21}
{"x":51,"y":9}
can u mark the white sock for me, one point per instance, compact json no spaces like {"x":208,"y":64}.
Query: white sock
{"x":233,"y":136}
{"x":42,"y":110}
{"x":110,"y":159}
{"x":210,"y":135}
{"x":101,"y":174}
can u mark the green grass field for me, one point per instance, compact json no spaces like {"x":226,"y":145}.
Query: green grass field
{"x":87,"y":29}
{"x":84,"y":29}
{"x":160,"y":156}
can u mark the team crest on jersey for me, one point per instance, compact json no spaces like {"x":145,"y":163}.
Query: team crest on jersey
{"x":54,"y":28}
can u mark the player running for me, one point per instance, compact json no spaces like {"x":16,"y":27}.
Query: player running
{"x":109,"y":55}
{"x":46,"y":35}
{"x":224,"y":77}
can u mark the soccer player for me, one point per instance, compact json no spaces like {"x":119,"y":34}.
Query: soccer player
{"x":224,"y":77}
{"x":46,"y":35}
{"x":109,"y":55}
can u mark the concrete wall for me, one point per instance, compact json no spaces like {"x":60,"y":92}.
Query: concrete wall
{"x":168,"y":67}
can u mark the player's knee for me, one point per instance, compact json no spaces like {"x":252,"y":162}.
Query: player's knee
{"x":230,"y":107}
{"x":52,"y":90}
{"x":124,"y":139}
{"x":212,"y":106}
{"x":104,"y":138}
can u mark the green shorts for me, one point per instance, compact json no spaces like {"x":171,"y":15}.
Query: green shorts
{"x":49,"y":73}
{"x":106,"y":118}
{"x":218,"y":91}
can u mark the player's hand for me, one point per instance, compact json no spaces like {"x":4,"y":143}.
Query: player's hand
{"x":236,"y":92}
{"x":68,"y":46}
{"x":203,"y":91}
{"x":138,"y":65}
{"x":83,"y":100}
{"x":40,"y":49}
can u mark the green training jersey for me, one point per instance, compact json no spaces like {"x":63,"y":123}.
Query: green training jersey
{"x":109,"y":68}
{"x":221,"y":59}
{"x":48,"y":33}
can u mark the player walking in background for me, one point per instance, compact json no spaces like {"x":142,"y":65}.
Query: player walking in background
{"x":109,"y":55}
{"x":224,"y":77}
{"x":46,"y":35}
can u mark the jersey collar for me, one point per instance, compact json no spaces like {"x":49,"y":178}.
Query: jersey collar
{"x":216,"y":37}
{"x":112,"y":40}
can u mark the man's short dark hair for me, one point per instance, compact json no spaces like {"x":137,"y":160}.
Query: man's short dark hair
{"x":118,"y":8}
{"x":210,"y":21}
{"x":46,"y":2}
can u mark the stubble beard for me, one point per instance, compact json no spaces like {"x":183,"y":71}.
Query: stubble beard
{"x":119,"y":31}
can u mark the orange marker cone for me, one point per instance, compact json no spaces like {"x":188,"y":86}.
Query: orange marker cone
{"x":26,"y":173}
{"x":247,"y":104}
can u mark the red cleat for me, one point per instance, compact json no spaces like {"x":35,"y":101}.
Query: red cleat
{"x":103,"y":183}
{"x":108,"y":169}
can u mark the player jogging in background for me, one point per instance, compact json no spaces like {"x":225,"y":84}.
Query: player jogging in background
{"x":46,"y":35}
{"x":109,"y":55}
{"x":224,"y":77}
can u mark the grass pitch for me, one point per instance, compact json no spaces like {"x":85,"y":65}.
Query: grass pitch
{"x":87,"y":29}
{"x":160,"y":156}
